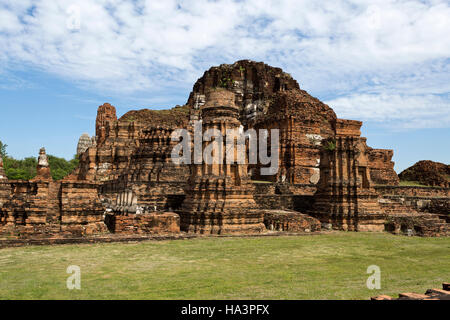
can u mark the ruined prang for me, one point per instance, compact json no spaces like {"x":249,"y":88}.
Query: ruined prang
{"x":219,"y":195}
{"x":345,"y":197}
{"x":84,"y":143}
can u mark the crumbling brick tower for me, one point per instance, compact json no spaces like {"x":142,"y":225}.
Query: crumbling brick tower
{"x":303,"y":122}
{"x":106,"y":115}
{"x":345,"y":197}
{"x":219,"y":196}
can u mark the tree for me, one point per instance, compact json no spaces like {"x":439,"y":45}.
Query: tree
{"x":3,"y":149}
{"x":25,"y":169}
{"x":60,"y":167}
{"x":20,"y":169}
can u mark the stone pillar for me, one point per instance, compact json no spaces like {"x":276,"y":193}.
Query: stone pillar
{"x":219,"y":195}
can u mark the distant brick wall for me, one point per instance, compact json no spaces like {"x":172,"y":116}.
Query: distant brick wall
{"x":44,"y":208}
{"x":274,"y":188}
{"x":381,"y":167}
{"x":281,"y":220}
{"x":154,"y":223}
{"x":413,"y":191}
{"x":285,"y":201}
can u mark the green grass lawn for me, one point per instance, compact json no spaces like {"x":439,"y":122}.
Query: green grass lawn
{"x":329,"y":266}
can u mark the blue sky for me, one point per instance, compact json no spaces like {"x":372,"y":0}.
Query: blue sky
{"x":384,"y":62}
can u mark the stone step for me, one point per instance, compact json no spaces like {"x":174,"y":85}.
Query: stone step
{"x":381,"y":297}
{"x":413,"y":296}
{"x":392,"y":204}
{"x":397,"y":207}
{"x":438,"y":292}
{"x":398,"y":211}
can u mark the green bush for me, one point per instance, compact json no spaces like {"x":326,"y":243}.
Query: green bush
{"x":329,"y":145}
{"x":20,"y":169}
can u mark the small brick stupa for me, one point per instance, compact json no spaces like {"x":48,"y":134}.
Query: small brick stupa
{"x":219,"y":196}
{"x":2,"y":170}
{"x":43,"y":167}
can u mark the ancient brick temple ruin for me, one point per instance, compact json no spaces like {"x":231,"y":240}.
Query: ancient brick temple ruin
{"x":127,"y":182}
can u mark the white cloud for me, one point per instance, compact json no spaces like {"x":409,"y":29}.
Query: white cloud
{"x":364,"y":52}
{"x":8,"y":21}
{"x":410,"y":111}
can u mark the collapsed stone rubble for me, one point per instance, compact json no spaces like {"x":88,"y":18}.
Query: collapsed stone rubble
{"x":430,"y":294}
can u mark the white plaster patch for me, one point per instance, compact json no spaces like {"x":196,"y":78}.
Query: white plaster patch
{"x":315,"y":176}
{"x":314,"y":138}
